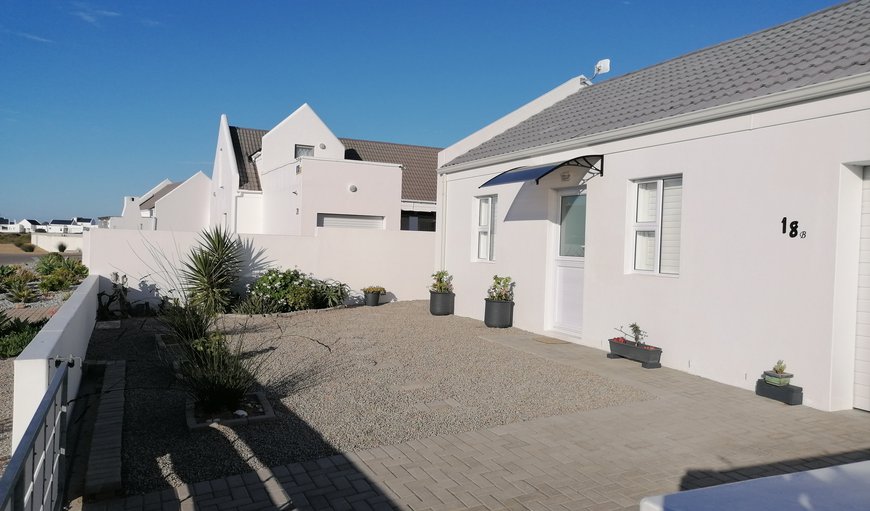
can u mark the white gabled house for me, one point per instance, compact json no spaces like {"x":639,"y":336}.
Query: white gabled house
{"x":28,"y":225}
{"x":299,"y":176}
{"x":720,"y":199}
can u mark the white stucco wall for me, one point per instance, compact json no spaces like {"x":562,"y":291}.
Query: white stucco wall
{"x":224,"y":179}
{"x":186,"y":208}
{"x":401,"y":261}
{"x":278,"y":162}
{"x":66,"y":334}
{"x":249,"y":212}
{"x":746,"y":295}
{"x":50,"y":241}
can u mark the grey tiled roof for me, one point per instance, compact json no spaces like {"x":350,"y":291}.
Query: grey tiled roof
{"x":149,"y":202}
{"x":830,"y":44}
{"x":246,"y":142}
{"x":420,"y":164}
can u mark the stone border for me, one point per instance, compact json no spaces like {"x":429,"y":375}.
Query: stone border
{"x":268,"y":414}
{"x":103,"y":477}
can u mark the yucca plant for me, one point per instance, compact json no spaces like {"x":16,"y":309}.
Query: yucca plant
{"x":212,"y":269}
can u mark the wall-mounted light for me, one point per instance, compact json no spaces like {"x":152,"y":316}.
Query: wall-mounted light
{"x":352,"y":188}
{"x":566,"y":176}
{"x":322,"y":145}
{"x":298,"y":169}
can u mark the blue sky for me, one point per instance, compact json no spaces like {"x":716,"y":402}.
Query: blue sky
{"x":104,"y":99}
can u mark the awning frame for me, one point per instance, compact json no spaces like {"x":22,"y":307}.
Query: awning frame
{"x":581,"y":161}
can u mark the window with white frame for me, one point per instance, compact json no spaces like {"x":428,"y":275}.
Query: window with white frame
{"x":657,"y":220}
{"x":303,"y":150}
{"x":485,"y":227}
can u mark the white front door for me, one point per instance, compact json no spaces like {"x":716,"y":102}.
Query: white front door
{"x":569,"y":253}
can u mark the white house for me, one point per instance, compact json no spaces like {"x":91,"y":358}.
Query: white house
{"x":58,"y":226}
{"x":28,"y":225}
{"x":168,"y":207}
{"x":7,"y":225}
{"x":299,"y":176}
{"x":720,"y":199}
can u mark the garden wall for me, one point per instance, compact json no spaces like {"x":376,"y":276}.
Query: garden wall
{"x":400,"y":261}
{"x":49,"y":241}
{"x":66,"y":334}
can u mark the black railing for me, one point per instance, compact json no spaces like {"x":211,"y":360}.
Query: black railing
{"x":34,"y":478}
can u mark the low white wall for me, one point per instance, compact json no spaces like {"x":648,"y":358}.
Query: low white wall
{"x":401,"y":261}
{"x":66,"y":333}
{"x":50,"y":241}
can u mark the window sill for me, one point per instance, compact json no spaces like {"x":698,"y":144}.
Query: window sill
{"x":653,"y":274}
{"x":484,"y":261}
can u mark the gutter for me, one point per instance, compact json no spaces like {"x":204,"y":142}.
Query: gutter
{"x":778,"y":99}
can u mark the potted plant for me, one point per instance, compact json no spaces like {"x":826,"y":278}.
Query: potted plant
{"x":441,"y":295}
{"x":373,"y":295}
{"x":649,"y":356}
{"x":499,"y":312}
{"x":777,"y":376}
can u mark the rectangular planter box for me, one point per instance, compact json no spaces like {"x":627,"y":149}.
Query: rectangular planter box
{"x":268,"y":414}
{"x":648,"y":358}
{"x":788,"y":394}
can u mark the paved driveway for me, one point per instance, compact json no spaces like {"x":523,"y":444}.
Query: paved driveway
{"x":693,"y":433}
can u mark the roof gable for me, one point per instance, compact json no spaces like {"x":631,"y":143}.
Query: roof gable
{"x":830,"y":44}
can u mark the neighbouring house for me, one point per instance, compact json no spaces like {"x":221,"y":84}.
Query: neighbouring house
{"x":57,"y":226}
{"x":7,"y":225}
{"x":30,"y":226}
{"x":299,"y":176}
{"x":85,"y":223}
{"x":168,"y":206}
{"x":720,"y":199}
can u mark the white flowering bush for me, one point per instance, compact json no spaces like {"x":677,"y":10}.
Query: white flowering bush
{"x":293,"y":290}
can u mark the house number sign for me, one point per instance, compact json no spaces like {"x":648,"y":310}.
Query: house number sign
{"x":791,"y":228}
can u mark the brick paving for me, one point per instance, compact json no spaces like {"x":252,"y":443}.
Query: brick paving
{"x":31,"y":314}
{"x":695,"y":433}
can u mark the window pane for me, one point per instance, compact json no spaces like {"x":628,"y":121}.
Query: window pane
{"x":672,"y":206}
{"x":483,"y":245}
{"x":644,"y":250}
{"x":572,"y":227}
{"x":647,"y":202}
{"x":483,"y":212}
{"x":304,"y":150}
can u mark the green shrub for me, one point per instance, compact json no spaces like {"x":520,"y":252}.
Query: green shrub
{"x":27,"y":247}
{"x":217,"y":375}
{"x":75,"y":267}
{"x":16,"y":334}
{"x":57,"y":281}
{"x":18,"y":290}
{"x":292,"y":290}
{"x":187,"y":323}
{"x":61,"y":247}
{"x":48,"y":263}
{"x":256,"y":304}
{"x":212,"y":269}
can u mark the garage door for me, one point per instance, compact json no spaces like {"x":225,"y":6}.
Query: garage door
{"x":862,"y":339}
{"x":351,"y":221}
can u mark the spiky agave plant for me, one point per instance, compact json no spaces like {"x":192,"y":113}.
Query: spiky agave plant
{"x":212,"y":268}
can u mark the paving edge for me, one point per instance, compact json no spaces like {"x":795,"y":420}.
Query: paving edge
{"x":103,"y":476}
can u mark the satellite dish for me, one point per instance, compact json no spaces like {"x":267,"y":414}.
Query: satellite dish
{"x":603,"y":66}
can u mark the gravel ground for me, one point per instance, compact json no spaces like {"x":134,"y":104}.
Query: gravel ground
{"x":342,"y":380}
{"x":5,"y":411}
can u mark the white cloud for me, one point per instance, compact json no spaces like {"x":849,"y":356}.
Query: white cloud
{"x":93,"y":15}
